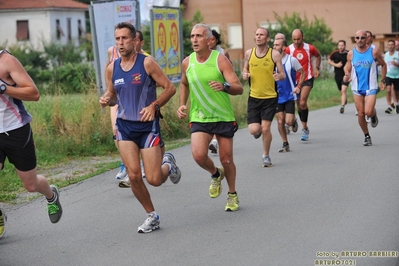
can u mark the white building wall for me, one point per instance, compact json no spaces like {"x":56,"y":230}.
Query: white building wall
{"x":42,"y":27}
{"x":39,"y":28}
{"x":63,"y":17}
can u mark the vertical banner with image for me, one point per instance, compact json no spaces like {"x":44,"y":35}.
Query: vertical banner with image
{"x":166,"y":40}
{"x":104,"y":15}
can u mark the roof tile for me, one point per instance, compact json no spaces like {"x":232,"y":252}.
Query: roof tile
{"x":39,"y":4}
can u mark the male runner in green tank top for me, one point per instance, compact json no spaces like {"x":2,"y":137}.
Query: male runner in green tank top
{"x":208,"y":79}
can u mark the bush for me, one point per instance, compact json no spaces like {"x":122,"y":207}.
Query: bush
{"x":68,"y":78}
{"x":57,"y":70}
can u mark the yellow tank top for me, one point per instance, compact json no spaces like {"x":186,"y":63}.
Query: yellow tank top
{"x":263,"y":85}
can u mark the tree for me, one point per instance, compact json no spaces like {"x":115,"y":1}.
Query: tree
{"x":315,"y":32}
{"x":187,"y":27}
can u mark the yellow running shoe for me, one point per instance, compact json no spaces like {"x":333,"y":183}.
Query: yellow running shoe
{"x":3,"y":220}
{"x":216,"y":187}
{"x":232,"y":202}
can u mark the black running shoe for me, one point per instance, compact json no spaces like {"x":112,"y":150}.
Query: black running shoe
{"x":367,"y":141}
{"x":374,"y":119}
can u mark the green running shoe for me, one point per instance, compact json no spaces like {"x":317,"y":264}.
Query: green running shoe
{"x":232,"y":202}
{"x":216,"y":187}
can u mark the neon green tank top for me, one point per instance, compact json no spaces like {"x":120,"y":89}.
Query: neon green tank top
{"x":263,"y":85}
{"x":207,"y":105}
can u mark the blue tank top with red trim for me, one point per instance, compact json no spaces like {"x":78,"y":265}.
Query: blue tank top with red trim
{"x":134,"y":89}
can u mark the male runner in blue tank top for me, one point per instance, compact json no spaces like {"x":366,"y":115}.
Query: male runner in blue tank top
{"x":287,"y":92}
{"x":361,"y":69}
{"x":131,"y":82}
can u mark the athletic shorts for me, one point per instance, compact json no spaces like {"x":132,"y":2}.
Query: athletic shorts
{"x":365,"y":92}
{"x":261,"y":109}
{"x":18,"y":146}
{"x":339,"y":81}
{"x":223,"y":129}
{"x":308,"y":83}
{"x":144,"y":134}
{"x":394,"y":82}
{"x":288,"y":107}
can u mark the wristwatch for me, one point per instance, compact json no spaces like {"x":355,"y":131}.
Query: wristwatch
{"x":226,"y":87}
{"x":157,"y":110}
{"x":3,"y":88}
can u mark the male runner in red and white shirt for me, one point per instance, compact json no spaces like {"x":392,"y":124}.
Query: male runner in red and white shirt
{"x":304,"y":53}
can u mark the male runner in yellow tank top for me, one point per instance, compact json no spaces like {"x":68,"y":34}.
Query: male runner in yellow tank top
{"x":260,"y":64}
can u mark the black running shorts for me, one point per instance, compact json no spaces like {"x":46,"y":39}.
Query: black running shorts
{"x":18,"y":146}
{"x":288,"y":107}
{"x":394,"y":82}
{"x":261,"y":109}
{"x":223,"y":129}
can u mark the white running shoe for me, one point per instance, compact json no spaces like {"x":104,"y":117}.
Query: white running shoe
{"x":213,"y":146}
{"x":295,"y":126}
{"x":142,"y":169}
{"x":284,"y":148}
{"x":125,"y":183}
{"x":287,"y":129}
{"x":175,"y":173}
{"x":367,"y":141}
{"x":150,"y":224}
{"x":374,"y":119}
{"x":266,"y":161}
{"x":122,"y":172}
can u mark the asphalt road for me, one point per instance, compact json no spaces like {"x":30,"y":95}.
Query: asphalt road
{"x":328,"y":197}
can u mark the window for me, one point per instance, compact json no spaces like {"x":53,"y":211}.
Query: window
{"x":235,"y":36}
{"x":214,"y":27}
{"x":69,"y":29}
{"x":270,"y":25}
{"x":22,"y":30}
{"x":60,"y":32}
{"x":81,"y":30}
{"x":395,"y":15}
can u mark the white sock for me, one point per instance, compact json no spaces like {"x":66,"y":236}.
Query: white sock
{"x":152,"y":214}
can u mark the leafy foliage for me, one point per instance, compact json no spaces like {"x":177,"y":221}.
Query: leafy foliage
{"x":59,"y":69}
{"x":187,"y":27}
{"x":315,"y":32}
{"x":31,"y":59}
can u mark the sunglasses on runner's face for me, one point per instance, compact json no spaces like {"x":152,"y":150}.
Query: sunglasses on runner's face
{"x":360,"y":37}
